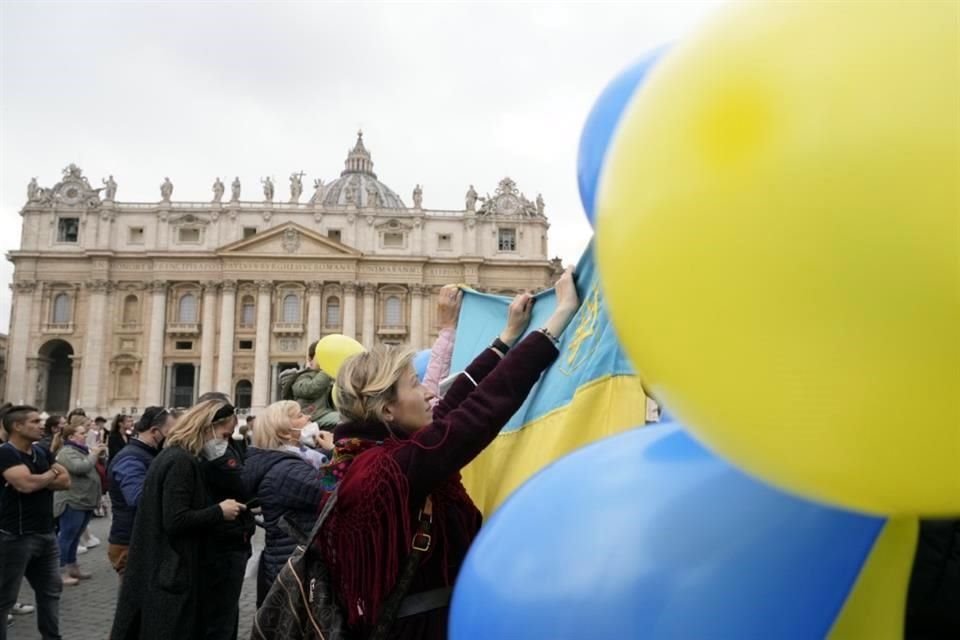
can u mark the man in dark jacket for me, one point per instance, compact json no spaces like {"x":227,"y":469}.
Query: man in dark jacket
{"x":127,"y":472}
{"x":228,"y":545}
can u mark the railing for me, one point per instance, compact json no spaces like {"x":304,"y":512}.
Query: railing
{"x":58,"y":327}
{"x":392,"y":330}
{"x":306,"y":207}
{"x":183,"y":328}
{"x":288,"y":328}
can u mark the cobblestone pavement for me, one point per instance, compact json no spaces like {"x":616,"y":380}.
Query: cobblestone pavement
{"x":86,"y":610}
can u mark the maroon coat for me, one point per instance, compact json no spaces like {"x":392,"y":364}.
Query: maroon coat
{"x":465,"y":422}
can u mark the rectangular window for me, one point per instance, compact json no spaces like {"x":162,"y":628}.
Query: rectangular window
{"x":507,"y":240}
{"x":68,"y":230}
{"x":188,"y":236}
{"x":246,"y":345}
{"x":136,"y":235}
{"x":183,"y":345}
{"x":444,"y":242}
{"x":249,"y":232}
{"x":334,"y":234}
{"x":393,"y":240}
{"x":248,"y":312}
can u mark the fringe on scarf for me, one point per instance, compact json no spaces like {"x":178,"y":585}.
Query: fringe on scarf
{"x":367,"y":537}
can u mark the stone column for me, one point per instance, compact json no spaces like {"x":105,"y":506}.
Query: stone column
{"x":19,"y":341}
{"x":36,"y":383}
{"x":196,"y":386}
{"x":228,"y":321}
{"x":94,"y":348}
{"x":273,"y":381}
{"x":77,"y":365}
{"x":314,"y":290}
{"x":152,"y":391}
{"x":369,"y":322}
{"x":349,"y":319}
{"x":261,"y":366}
{"x":208,"y":337}
{"x":416,"y":316}
{"x":168,"y":385}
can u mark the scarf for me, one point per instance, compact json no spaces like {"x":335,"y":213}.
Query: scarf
{"x":367,"y":536}
{"x":80,"y":447}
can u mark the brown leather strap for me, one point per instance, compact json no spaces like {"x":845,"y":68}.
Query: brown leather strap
{"x":421,"y":543}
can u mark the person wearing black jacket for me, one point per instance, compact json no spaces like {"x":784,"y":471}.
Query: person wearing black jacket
{"x":286,"y":485}
{"x":166,"y":591}
{"x":933,"y":601}
{"x":120,"y":431}
{"x":227,"y":547}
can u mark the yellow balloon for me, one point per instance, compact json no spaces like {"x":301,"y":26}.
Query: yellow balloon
{"x":333,"y":396}
{"x":787,"y":184}
{"x":333,"y":350}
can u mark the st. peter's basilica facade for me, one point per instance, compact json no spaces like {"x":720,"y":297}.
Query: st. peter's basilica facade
{"x":120,"y":305}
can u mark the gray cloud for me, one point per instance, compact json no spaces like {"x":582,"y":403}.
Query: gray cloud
{"x":448,"y":94}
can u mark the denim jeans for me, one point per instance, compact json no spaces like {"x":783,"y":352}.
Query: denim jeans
{"x":36,"y":557}
{"x":72,"y":524}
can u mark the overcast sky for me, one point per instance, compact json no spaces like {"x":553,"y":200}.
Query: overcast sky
{"x":447,"y":94}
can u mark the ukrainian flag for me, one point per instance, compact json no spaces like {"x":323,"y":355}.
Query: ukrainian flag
{"x":590,"y":391}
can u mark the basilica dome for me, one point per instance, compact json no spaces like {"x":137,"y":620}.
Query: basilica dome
{"x":358,"y":185}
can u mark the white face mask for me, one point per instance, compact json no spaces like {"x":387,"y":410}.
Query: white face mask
{"x":214,"y":449}
{"x":308,"y":435}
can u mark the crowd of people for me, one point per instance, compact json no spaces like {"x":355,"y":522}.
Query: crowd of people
{"x":186,"y":492}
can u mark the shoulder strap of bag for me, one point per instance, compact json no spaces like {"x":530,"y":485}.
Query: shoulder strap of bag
{"x":327,"y":508}
{"x":422,"y":541}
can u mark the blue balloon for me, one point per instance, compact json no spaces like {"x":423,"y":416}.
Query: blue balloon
{"x":600,"y":125}
{"x":420,"y":362}
{"x":648,"y":535}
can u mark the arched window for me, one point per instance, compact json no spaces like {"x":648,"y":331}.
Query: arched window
{"x":244,"y":394}
{"x":187,"y":313}
{"x":130,"y":308}
{"x":125,"y":383}
{"x":393,"y":312}
{"x":333,"y":311}
{"x":61,"y":309}
{"x":248,"y":312}
{"x":291,"y":308}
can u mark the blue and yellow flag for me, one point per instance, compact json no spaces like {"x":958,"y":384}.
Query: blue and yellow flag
{"x":590,"y":391}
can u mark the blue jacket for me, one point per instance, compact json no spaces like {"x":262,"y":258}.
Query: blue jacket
{"x":285,"y":485}
{"x":127,"y":472}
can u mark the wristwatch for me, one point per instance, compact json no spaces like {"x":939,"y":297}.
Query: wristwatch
{"x":500,"y":346}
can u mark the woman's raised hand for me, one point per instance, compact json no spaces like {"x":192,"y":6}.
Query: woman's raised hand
{"x":518,"y":317}
{"x":568,"y":301}
{"x":448,"y":306}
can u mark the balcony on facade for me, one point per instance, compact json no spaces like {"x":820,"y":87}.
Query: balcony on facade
{"x":390,"y":330}
{"x":184,"y":329}
{"x":288,"y":328}
{"x":58,"y":328}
